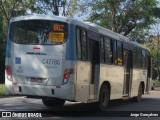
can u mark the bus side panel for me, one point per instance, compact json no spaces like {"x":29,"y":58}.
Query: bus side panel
{"x":115,"y":76}
{"x":82,"y":69}
{"x":135,"y":82}
{"x":138,"y":76}
{"x":83,"y":81}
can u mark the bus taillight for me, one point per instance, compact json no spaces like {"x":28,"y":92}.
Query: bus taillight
{"x":8,"y":72}
{"x":66,"y":76}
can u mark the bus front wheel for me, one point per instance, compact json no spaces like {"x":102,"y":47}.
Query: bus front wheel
{"x":54,"y":102}
{"x":104,"y":97}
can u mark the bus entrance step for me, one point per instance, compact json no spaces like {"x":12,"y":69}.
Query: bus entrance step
{"x":125,"y":97}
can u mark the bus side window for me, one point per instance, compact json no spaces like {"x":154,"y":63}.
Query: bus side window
{"x":79,"y":55}
{"x":146,"y":59}
{"x":114,"y":52}
{"x":107,"y":44}
{"x":102,"y":49}
{"x":84,"y":45}
{"x":119,"y":53}
{"x":139,"y":59}
{"x":143,"y":59}
{"x":135,"y":58}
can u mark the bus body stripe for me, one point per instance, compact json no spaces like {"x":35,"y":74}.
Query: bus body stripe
{"x":8,"y":45}
{"x":71,"y":44}
{"x":8,"y":48}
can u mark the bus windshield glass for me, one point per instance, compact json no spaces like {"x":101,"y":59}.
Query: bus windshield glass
{"x":39,"y":32}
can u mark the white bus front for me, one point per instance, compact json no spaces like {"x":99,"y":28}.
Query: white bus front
{"x":35,"y":59}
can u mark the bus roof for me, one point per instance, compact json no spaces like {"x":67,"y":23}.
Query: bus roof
{"x":40,"y":17}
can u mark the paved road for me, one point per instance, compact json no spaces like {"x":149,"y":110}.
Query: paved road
{"x":149,"y":104}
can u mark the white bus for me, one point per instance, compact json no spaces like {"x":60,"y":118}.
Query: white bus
{"x":57,"y":59}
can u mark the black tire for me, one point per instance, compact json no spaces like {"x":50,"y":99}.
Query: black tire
{"x":54,"y":102}
{"x":104,"y":97}
{"x":139,"y":97}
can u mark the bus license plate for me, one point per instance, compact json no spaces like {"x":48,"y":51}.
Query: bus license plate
{"x":36,"y":80}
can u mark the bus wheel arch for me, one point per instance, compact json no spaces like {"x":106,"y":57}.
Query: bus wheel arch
{"x":104,"y":96}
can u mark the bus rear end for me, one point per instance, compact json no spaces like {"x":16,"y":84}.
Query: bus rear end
{"x":35,"y":59}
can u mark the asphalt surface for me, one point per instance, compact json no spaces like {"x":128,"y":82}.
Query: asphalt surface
{"x":118,"y":109}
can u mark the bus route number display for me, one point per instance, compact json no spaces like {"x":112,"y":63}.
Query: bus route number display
{"x":56,"y":37}
{"x":58,"y":27}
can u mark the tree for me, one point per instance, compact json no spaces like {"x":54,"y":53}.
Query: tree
{"x":9,"y":9}
{"x":55,"y":7}
{"x":12,"y":8}
{"x":122,"y":16}
{"x":1,"y":51}
{"x":72,"y":8}
{"x":153,"y":43}
{"x":139,"y":35}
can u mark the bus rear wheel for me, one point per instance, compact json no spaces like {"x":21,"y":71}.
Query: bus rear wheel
{"x":104,"y":97}
{"x":139,"y":97}
{"x":54,"y":102}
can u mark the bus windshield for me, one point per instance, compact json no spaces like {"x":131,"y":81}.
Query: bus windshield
{"x":39,"y":32}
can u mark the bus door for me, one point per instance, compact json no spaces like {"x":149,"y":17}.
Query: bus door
{"x":127,"y":73}
{"x":94,"y":58}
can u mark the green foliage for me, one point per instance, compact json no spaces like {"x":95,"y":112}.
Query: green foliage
{"x":2,"y":50}
{"x":42,"y":7}
{"x":9,"y":9}
{"x":65,"y":7}
{"x":122,"y":16}
{"x":157,"y":83}
{"x":153,"y":44}
{"x":72,"y":7}
{"x":2,"y":90}
{"x":139,"y":35}
{"x":12,"y":8}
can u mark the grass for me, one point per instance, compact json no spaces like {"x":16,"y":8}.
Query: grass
{"x":156,"y":82}
{"x":2,"y":90}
